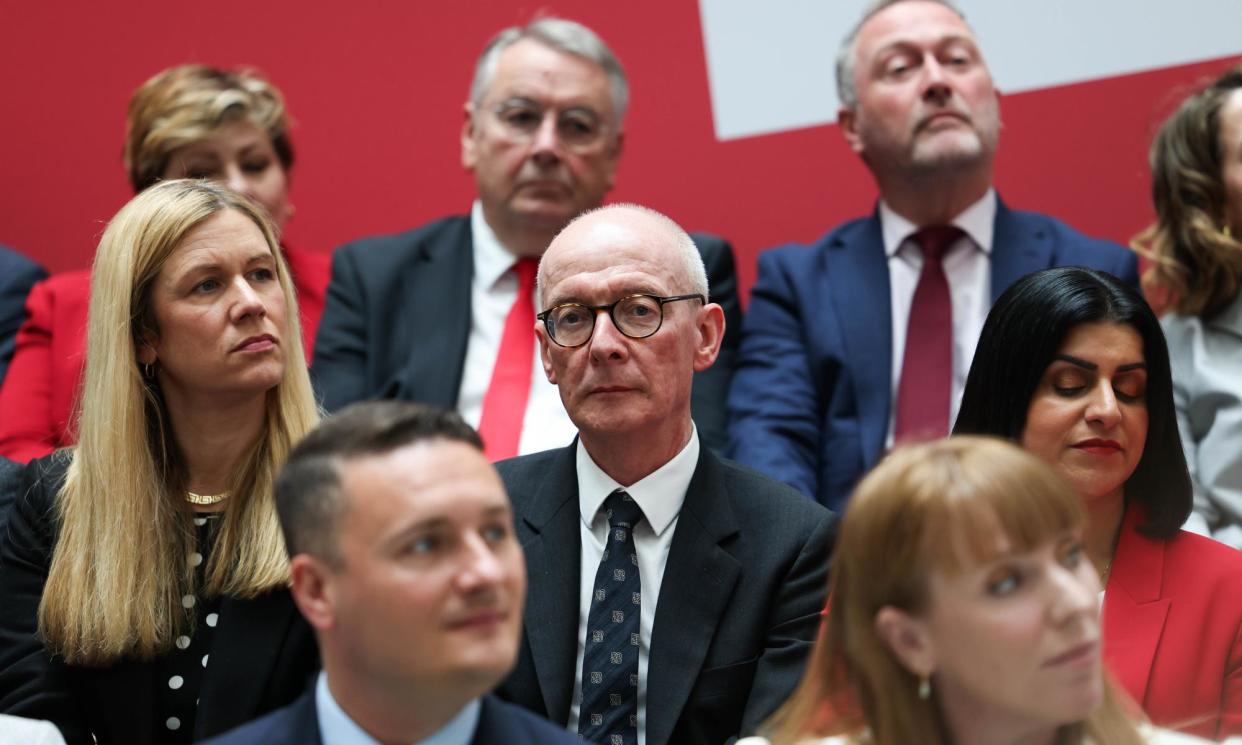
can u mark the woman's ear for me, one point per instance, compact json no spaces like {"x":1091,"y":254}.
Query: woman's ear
{"x":908,"y":638}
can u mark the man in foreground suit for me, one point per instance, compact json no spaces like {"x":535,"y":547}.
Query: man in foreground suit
{"x":404,"y":561}
{"x":444,"y":314}
{"x":675,"y":595}
{"x":865,"y":338}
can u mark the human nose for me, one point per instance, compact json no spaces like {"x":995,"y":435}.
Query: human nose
{"x":1102,"y":405}
{"x":482,"y":567}
{"x":607,"y":341}
{"x":1073,"y":595}
{"x":249,"y":303}
{"x":235,"y":179}
{"x":545,"y":140}
{"x":935,"y":81}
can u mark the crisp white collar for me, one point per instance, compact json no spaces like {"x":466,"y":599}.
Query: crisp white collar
{"x":337,"y":728}
{"x":491,"y":258}
{"x":660,"y":494}
{"x":977,"y":221}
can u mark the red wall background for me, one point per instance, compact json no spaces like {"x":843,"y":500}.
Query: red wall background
{"x":375,"y":88}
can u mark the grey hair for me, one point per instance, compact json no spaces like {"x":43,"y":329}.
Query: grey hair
{"x":692,"y":266}
{"x":847,"y":54}
{"x":562,"y":35}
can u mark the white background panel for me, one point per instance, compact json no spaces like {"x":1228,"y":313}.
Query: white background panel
{"x":770,"y":64}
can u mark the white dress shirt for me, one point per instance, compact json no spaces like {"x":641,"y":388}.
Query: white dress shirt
{"x":336,"y":728}
{"x":968,"y":269}
{"x":493,"y":288}
{"x":660,"y":495}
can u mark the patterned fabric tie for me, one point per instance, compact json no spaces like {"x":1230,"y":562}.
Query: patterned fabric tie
{"x":504,"y":404}
{"x":924,"y":393}
{"x":609,"y":711}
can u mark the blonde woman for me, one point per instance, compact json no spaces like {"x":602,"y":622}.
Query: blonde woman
{"x":190,"y":121}
{"x":143,"y":576}
{"x":1195,"y":247}
{"x":964,"y":610}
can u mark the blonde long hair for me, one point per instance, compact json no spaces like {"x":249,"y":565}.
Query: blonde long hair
{"x":930,"y":506}
{"x":121,"y":564}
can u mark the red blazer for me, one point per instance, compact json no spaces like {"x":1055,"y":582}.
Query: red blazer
{"x":37,"y":398}
{"x":1172,"y":626}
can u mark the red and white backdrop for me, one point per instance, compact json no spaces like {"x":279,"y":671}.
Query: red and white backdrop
{"x":730,"y":128}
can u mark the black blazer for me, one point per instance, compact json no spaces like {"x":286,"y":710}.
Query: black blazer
{"x":10,"y":482}
{"x":739,"y":603}
{"x":396,"y":322}
{"x":17,"y":275}
{"x":298,"y":724}
{"x":263,"y":654}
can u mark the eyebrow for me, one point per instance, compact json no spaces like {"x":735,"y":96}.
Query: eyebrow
{"x":1078,"y":362}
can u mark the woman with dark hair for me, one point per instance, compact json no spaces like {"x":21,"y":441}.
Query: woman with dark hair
{"x":1072,"y":365}
{"x":190,"y":121}
{"x":1195,"y":247}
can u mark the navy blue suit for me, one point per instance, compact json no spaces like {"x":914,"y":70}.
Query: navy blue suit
{"x":811,"y":397}
{"x":17,"y":275}
{"x":298,"y":724}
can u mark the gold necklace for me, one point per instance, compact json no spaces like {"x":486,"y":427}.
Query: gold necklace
{"x":206,"y":499}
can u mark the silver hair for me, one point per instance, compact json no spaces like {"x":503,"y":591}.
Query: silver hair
{"x":692,"y":268}
{"x":562,"y":35}
{"x":847,"y":54}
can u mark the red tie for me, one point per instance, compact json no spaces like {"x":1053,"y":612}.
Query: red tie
{"x":504,"y":405}
{"x":924,"y":391}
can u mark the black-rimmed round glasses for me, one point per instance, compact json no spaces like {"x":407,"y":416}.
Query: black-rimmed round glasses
{"x":636,"y":316}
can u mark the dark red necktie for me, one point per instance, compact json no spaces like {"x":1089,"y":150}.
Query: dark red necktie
{"x":504,"y":404}
{"x":925,"y":388}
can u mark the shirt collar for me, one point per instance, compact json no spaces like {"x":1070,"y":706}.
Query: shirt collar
{"x":660,"y":494}
{"x":977,"y":221}
{"x":491,"y":258}
{"x":336,"y":727}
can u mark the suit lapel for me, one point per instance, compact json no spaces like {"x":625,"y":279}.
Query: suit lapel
{"x":432,"y":318}
{"x":857,"y":273}
{"x":1018,"y":248}
{"x":553,"y":562}
{"x":1134,"y":610}
{"x":699,"y":579}
{"x":243,"y":656}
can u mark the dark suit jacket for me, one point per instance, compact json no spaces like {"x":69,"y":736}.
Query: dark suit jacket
{"x":1173,"y":629}
{"x":298,"y":724}
{"x":811,"y":397}
{"x":263,"y":654}
{"x":17,"y":275}
{"x":738,"y":609}
{"x":10,"y":483}
{"x":397,"y":321}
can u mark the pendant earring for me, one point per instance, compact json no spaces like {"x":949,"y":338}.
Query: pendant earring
{"x":924,"y":687}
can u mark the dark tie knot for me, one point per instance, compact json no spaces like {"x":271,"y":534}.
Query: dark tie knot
{"x":935,"y":240}
{"x":622,"y":510}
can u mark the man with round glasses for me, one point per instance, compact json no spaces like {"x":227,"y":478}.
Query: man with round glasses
{"x":674,"y":595}
{"x":444,"y":314}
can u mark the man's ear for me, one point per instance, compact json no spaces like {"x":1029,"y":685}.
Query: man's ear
{"x":847,"y":121}
{"x":541,"y":332}
{"x":711,"y":328}
{"x":469,"y":149}
{"x":907,"y":638}
{"x":313,"y":590}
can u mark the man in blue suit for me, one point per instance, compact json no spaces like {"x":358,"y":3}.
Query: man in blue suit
{"x":404,"y":560}
{"x":865,"y":338}
{"x":17,"y":275}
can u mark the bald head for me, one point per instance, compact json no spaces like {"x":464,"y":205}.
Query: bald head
{"x":663,"y":240}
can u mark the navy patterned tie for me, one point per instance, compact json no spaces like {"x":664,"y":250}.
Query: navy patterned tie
{"x":609,"y":711}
